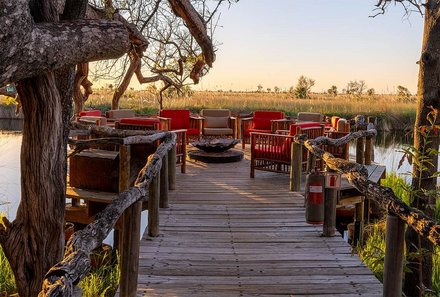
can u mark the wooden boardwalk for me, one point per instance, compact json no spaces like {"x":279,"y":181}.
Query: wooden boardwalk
{"x":228,"y":235}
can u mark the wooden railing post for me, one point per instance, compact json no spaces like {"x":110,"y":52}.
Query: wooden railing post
{"x":172,"y":168}
{"x":330,"y":198}
{"x":360,"y":150}
{"x":393,"y":267}
{"x":295,"y":166}
{"x":358,"y":234}
{"x":369,"y":147}
{"x":153,"y":207}
{"x":131,"y":224}
{"x":368,"y":150}
{"x":164,"y":183}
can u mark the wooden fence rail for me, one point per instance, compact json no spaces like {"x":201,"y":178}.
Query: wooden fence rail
{"x":61,"y":278}
{"x":398,"y":212}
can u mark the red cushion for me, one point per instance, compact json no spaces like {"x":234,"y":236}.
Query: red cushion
{"x":95,"y":113}
{"x":302,"y":126}
{"x":274,"y":152}
{"x":334,"y":121}
{"x":175,"y":113}
{"x":261,"y":123}
{"x":192,"y":131}
{"x":179,"y":123}
{"x":273,"y":115}
{"x":261,"y":119}
{"x":248,"y":131}
{"x":140,"y":121}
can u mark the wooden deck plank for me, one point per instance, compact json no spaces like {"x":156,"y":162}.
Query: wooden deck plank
{"x":226,"y":234}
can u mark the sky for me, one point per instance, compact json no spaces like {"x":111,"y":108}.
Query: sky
{"x":273,"y":42}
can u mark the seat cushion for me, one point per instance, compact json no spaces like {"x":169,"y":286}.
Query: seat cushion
{"x":175,"y":113}
{"x":120,"y":113}
{"x":310,"y":117}
{"x":334,"y":121}
{"x":217,"y":131}
{"x":304,"y":125}
{"x":215,"y":113}
{"x":97,"y":119}
{"x":273,"y":152}
{"x":95,"y":113}
{"x":261,"y":123}
{"x":192,"y":131}
{"x":216,"y":122}
{"x":140,"y":121}
{"x":273,"y":115}
{"x":179,"y":123}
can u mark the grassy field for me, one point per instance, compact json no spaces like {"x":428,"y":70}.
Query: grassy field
{"x":393,"y":112}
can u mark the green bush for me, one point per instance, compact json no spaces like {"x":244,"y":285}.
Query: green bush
{"x":102,"y":281}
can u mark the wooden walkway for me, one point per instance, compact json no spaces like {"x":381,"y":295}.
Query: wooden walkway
{"x":228,"y":235}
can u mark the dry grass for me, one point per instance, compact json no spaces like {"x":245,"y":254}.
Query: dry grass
{"x":382,"y":106}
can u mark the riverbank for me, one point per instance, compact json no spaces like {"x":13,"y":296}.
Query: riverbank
{"x":392,"y":112}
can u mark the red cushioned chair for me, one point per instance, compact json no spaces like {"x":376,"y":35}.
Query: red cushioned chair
{"x":91,"y":117}
{"x":94,"y":113}
{"x":177,"y":119}
{"x":272,"y":152}
{"x":260,"y":122}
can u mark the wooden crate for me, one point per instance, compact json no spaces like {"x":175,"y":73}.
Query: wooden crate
{"x":95,"y":169}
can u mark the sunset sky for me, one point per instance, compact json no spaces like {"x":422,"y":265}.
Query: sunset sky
{"x":273,"y":42}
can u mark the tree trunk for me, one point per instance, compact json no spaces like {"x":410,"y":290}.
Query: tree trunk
{"x":425,"y":139}
{"x":36,"y":238}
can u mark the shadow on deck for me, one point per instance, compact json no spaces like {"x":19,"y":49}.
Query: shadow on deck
{"x":228,"y":235}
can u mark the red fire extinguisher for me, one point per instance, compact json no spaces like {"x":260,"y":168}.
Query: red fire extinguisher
{"x":315,"y":187}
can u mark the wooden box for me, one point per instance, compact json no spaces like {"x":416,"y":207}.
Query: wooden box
{"x":96,"y":170}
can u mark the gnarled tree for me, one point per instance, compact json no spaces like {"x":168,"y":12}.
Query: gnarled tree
{"x":426,"y":140}
{"x":173,"y":54}
{"x":35,"y":45}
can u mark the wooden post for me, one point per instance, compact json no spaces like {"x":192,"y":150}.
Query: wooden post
{"x":252,"y":143}
{"x":330,"y":198}
{"x":131,"y":224}
{"x":359,"y":224}
{"x":172,"y":168}
{"x":368,"y":150}
{"x":311,"y":162}
{"x":295,"y":167}
{"x":183,"y":168}
{"x":153,"y":207}
{"x":393,"y":267}
{"x":360,"y":146}
{"x":164,"y":183}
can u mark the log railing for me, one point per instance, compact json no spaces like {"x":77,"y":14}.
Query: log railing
{"x":63,"y":276}
{"x":399,"y":213}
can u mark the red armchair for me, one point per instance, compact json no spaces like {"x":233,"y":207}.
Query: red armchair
{"x":261,"y":122}
{"x":177,"y":119}
{"x":91,"y":117}
{"x":272,"y":152}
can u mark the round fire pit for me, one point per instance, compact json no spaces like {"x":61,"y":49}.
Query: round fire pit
{"x":216,"y":151}
{"x":215,"y":145}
